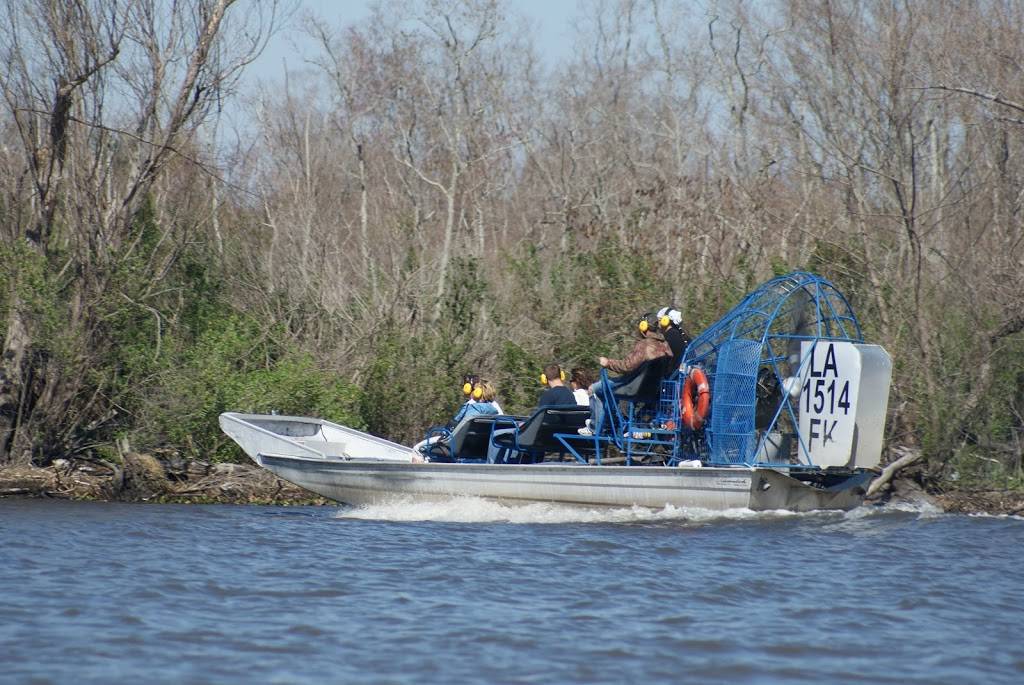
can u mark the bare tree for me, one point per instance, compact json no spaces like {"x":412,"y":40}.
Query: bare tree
{"x":105,"y":97}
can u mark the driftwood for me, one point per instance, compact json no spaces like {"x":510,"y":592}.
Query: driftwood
{"x":909,"y":457}
{"x":149,"y":478}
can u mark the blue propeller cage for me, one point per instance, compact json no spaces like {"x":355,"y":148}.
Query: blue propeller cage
{"x":758,"y":343}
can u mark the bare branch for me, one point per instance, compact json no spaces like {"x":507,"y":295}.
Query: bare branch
{"x":999,"y":100}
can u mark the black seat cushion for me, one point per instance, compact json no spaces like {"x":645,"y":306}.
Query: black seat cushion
{"x":471,"y":437}
{"x":645,"y":382}
{"x":536,"y":433}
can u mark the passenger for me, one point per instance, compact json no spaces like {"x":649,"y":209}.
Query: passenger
{"x":670,"y":321}
{"x":481,"y":402}
{"x":555,"y":395}
{"x":579,"y":380}
{"x":649,"y":347}
{"x":471,"y":381}
{"x":489,"y":395}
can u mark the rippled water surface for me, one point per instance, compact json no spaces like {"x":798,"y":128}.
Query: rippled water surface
{"x":470,"y":591}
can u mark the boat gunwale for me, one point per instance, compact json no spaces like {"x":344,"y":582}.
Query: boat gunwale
{"x":573,"y":466}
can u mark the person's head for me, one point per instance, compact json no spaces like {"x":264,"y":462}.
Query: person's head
{"x":552,"y":376}
{"x":648,"y":325}
{"x":487,"y":391}
{"x":580,"y":378}
{"x":669,"y":317}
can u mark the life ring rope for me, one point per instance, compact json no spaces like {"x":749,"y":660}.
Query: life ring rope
{"x":695,"y":410}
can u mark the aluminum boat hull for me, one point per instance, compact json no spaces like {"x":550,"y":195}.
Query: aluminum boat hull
{"x":355,"y":468}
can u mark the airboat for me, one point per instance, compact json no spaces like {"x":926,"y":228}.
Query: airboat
{"x":780,"y":404}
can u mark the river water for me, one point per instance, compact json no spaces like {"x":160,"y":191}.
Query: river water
{"x":469,"y":591}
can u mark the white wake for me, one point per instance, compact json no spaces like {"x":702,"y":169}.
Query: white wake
{"x":479,"y":510}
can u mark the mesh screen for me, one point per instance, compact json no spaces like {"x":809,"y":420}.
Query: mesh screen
{"x":732,"y":417}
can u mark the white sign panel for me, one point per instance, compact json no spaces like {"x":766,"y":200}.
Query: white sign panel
{"x":830,"y":380}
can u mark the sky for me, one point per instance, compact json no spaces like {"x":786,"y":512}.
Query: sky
{"x":551,"y":19}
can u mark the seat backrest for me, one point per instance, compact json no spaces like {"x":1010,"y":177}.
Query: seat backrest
{"x":646,"y":380}
{"x":470,"y":437}
{"x":537,"y":432}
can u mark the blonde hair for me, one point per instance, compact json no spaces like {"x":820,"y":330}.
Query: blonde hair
{"x":487,"y":388}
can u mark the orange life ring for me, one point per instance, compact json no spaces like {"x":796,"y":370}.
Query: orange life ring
{"x":695,"y":411}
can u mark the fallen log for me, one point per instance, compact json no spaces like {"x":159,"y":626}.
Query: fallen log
{"x":909,"y":457}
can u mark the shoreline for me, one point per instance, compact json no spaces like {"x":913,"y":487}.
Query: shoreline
{"x":148,"y":478}
{"x":168,"y":478}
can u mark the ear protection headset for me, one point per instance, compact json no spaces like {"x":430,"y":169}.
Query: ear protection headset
{"x":645,"y":322}
{"x":669,"y":316}
{"x":478,"y":392}
{"x":468,"y":382}
{"x":544,"y":376}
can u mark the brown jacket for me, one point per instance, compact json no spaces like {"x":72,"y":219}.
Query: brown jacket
{"x":645,"y":349}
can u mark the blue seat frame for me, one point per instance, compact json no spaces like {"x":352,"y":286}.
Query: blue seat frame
{"x":647,"y":425}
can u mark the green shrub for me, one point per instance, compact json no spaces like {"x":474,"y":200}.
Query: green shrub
{"x":234,"y":368}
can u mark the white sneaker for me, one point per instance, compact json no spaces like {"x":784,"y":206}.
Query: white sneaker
{"x":587,"y":429}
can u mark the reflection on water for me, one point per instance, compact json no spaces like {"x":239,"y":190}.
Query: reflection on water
{"x":467,"y":590}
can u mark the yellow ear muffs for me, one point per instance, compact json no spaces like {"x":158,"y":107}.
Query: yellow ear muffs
{"x":478,"y":392}
{"x":643,"y":326}
{"x":467,"y":388}
{"x":664,"y":321}
{"x":544,"y":377}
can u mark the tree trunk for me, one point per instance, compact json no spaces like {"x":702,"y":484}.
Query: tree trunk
{"x":12,"y":386}
{"x":446,"y":244}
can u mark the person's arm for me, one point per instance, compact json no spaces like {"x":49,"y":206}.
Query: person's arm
{"x":635,"y":358}
{"x":644,"y":351}
{"x":480,"y":409}
{"x":460,"y":414}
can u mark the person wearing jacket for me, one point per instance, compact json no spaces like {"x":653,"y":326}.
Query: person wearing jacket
{"x":650,"y":346}
{"x":555,"y":394}
{"x":670,"y":321}
{"x":481,"y":401}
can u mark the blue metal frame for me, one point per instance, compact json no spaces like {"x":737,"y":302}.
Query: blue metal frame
{"x":770,"y":322}
{"x":635,"y":432}
{"x":504,"y":422}
{"x":567,"y":440}
{"x":444,"y":433}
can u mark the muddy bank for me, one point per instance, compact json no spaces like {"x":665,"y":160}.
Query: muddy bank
{"x":982,"y":501}
{"x":153,"y":478}
{"x":911,"y":486}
